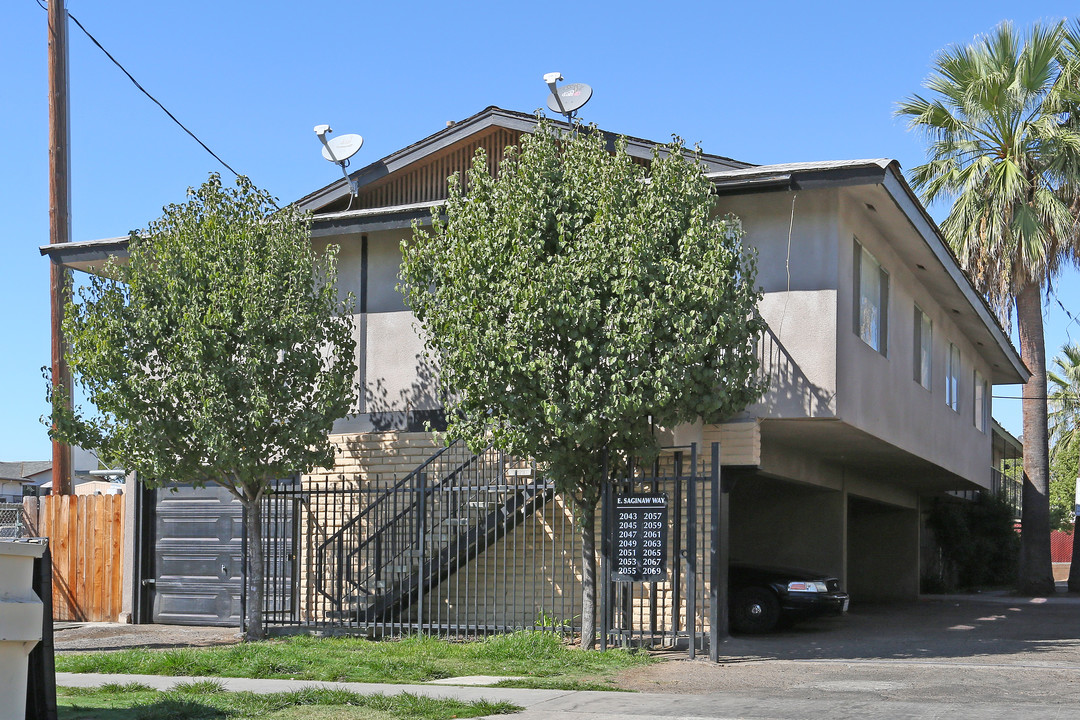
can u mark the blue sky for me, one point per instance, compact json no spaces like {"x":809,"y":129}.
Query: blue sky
{"x":761,"y":82}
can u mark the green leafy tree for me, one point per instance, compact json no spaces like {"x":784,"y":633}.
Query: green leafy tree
{"x":1062,"y":490}
{"x":1064,"y":422}
{"x":577,"y":295}
{"x":1004,"y":144}
{"x":219,"y":353}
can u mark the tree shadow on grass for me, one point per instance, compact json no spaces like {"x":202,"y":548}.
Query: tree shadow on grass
{"x":164,"y":709}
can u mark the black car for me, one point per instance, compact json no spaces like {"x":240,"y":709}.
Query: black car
{"x":764,"y":598}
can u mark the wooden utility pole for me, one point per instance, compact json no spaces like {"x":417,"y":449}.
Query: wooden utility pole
{"x":59,"y":222}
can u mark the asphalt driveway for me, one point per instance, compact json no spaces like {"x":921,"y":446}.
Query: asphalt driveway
{"x":971,"y":656}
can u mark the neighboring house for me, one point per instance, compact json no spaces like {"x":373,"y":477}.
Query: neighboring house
{"x":83,"y":463}
{"x":16,"y":476}
{"x":880,"y":354}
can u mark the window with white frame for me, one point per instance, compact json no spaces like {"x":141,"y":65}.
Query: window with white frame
{"x":871,"y":299}
{"x":923,"y":345}
{"x":982,"y":402}
{"x":952,"y":378}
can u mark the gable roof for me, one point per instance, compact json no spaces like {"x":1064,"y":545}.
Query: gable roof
{"x":23,"y":471}
{"x":463,"y":135}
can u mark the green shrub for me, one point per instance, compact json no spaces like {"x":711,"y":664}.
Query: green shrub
{"x":976,"y":543}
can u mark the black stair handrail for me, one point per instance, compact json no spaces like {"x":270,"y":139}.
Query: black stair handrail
{"x":463,"y":549}
{"x":376,"y":534}
{"x":320,"y":551}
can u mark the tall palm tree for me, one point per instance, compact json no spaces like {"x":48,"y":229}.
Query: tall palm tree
{"x":1064,"y":420}
{"x":1003,"y":137}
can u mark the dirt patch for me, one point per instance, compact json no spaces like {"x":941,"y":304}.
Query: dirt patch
{"x":85,"y":637}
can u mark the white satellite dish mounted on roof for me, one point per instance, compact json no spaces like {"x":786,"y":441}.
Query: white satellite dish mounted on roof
{"x":568,"y":99}
{"x":338,"y":151}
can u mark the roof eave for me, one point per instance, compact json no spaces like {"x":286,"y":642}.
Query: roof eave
{"x":87,"y":255}
{"x":920,"y":219}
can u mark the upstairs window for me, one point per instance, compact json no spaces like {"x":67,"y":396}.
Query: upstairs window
{"x":871,"y":307}
{"x":923,"y":344}
{"x":952,"y":378}
{"x":982,"y":402}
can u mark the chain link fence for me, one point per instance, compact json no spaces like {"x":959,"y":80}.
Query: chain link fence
{"x":11,"y":520}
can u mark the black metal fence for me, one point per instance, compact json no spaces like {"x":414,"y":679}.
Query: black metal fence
{"x":465,"y":545}
{"x":683,"y":608}
{"x":472,"y":544}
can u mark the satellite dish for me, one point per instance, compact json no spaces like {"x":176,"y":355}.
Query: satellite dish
{"x":568,"y":99}
{"x":341,"y":148}
{"x":338,"y":150}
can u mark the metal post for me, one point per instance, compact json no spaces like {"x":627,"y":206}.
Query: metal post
{"x":676,"y":553}
{"x":605,"y":553}
{"x":720,"y":554}
{"x":691,"y":553}
{"x":421,"y":541}
{"x":243,"y":571}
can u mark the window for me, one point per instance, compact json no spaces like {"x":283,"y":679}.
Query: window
{"x":952,"y":378}
{"x":871,"y":307}
{"x":923,"y":344}
{"x":982,"y":402}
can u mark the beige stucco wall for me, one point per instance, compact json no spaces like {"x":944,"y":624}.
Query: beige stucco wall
{"x":795,"y":238}
{"x":818,"y":367}
{"x":882,"y":552}
{"x":392,"y":372}
{"x":818,"y":370}
{"x":878,"y":394}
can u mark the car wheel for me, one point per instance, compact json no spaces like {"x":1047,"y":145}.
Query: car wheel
{"x":754,"y":610}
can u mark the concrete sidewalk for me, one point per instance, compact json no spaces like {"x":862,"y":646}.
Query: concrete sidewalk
{"x":851,"y":702}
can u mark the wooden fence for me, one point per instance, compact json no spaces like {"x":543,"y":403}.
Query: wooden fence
{"x":86,"y":536}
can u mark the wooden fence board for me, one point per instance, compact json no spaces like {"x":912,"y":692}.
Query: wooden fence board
{"x":86,"y":536}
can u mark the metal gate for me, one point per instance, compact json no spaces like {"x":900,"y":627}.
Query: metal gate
{"x":686,"y":605}
{"x":194,"y":575}
{"x":197,"y":565}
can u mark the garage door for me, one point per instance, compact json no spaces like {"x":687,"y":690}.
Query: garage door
{"x":198,"y":551}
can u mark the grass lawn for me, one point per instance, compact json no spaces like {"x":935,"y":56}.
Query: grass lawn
{"x":542,"y":659}
{"x":195,"y":701}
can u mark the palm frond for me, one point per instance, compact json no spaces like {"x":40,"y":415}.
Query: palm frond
{"x":1002,"y":119}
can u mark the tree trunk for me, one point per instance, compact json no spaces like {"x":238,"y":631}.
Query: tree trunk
{"x":588,"y":576}
{"x":1036,"y":571}
{"x":253,"y":580}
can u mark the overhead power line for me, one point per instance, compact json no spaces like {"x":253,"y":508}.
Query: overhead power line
{"x":144,"y":91}
{"x":1024,"y":397}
